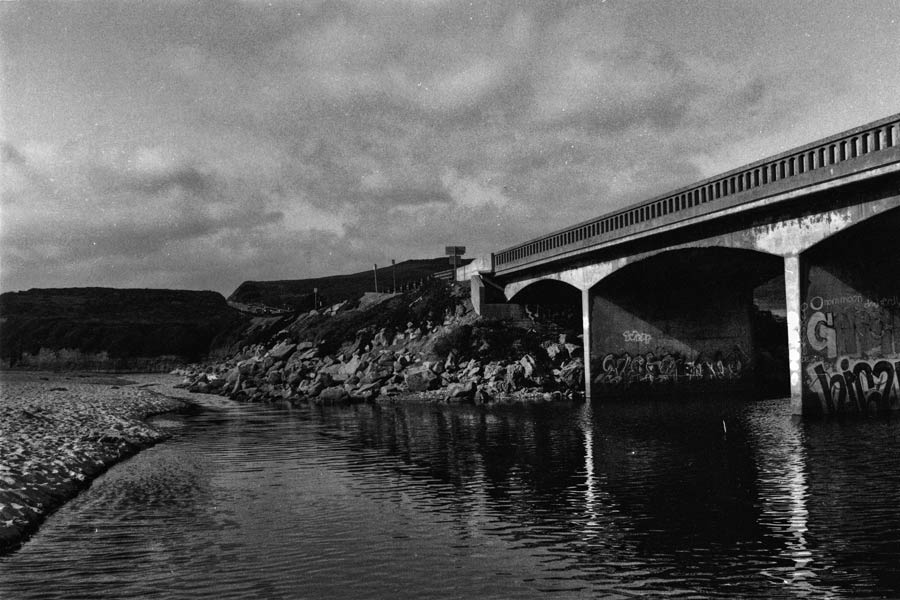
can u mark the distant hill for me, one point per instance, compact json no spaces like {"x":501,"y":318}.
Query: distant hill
{"x":107,"y":328}
{"x":300,"y":294}
{"x":156,"y":329}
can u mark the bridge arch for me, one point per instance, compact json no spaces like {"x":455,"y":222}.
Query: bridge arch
{"x":585,"y":277}
{"x":545,"y":290}
{"x":716,"y":312}
{"x":552,"y":305}
{"x":873,"y":230}
{"x":849,"y":318}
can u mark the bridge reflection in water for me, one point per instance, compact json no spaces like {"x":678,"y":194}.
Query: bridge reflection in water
{"x":411,"y":500}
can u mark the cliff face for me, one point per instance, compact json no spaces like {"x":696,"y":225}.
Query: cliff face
{"x":106,"y":328}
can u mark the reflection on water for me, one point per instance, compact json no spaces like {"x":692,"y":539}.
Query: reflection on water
{"x":684,"y":499}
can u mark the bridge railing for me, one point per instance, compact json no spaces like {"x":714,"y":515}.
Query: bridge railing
{"x":830,"y":158}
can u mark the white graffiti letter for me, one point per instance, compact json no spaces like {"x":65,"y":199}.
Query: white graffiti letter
{"x":820,"y":333}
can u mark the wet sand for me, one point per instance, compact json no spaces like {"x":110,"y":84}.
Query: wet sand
{"x":59,"y":431}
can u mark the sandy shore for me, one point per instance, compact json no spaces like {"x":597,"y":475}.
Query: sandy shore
{"x":58,"y":431}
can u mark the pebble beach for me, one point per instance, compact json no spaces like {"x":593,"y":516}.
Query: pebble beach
{"x":59,"y":431}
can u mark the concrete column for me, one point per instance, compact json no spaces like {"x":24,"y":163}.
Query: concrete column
{"x":477,"y":293}
{"x":793,"y":299}
{"x":586,"y":340}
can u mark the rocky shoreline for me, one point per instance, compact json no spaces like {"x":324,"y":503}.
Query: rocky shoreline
{"x":457,"y":360}
{"x":59,"y":431}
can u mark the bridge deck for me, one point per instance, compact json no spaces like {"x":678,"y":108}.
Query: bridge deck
{"x":864,"y":149}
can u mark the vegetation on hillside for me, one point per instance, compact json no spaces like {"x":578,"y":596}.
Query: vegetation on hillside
{"x":302,"y":294}
{"x":116,"y":325}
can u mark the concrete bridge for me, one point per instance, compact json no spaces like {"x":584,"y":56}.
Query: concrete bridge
{"x":784,"y":272}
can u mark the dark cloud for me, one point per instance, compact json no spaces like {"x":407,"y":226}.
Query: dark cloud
{"x":180,"y":177}
{"x":9,"y":154}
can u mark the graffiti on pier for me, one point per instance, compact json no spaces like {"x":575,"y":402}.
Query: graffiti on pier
{"x":624,"y":370}
{"x":855,"y":327}
{"x":637,"y":336}
{"x":852,"y":352}
{"x":848,"y":384}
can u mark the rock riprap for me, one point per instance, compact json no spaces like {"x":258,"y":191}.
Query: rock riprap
{"x":374,"y":364}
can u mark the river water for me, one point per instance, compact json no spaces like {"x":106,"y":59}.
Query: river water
{"x":687,"y":499}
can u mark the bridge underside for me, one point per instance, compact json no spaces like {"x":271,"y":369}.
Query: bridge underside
{"x":850,"y":319}
{"x":686,"y":320}
{"x":803,"y":302}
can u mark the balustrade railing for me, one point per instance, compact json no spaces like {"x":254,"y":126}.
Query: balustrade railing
{"x":800,"y":166}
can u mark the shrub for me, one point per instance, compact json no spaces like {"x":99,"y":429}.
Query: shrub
{"x":458,"y":339}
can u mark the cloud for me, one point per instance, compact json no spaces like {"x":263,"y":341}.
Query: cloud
{"x":472,"y":194}
{"x":9,"y":154}
{"x":189,"y":142}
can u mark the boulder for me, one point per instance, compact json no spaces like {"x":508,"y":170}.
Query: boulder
{"x":282,"y":350}
{"x":482,"y":397}
{"x":369,"y":388}
{"x":375,"y":375}
{"x":460,"y":392}
{"x":383,"y":338}
{"x":309,"y":354}
{"x":248,"y":366}
{"x":515,"y":377}
{"x":529,"y":364}
{"x":324,"y":378}
{"x":335,"y":372}
{"x":386,"y":359}
{"x":473,"y":368}
{"x":421,"y":379}
{"x":571,"y":374}
{"x":555,"y":350}
{"x":353,"y":365}
{"x":315,"y":388}
{"x":494,"y":371}
{"x":334,"y":395}
{"x":233,"y":375}
{"x":451,"y":362}
{"x":294,"y":377}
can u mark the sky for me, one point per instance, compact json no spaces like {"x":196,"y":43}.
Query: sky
{"x":196,"y":145}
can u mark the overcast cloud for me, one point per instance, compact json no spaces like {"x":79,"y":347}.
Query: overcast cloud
{"x":197,"y":145}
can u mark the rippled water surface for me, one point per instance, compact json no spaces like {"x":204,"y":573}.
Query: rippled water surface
{"x":681,"y":499}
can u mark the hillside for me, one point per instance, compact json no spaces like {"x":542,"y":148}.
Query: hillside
{"x":300,"y":294}
{"x":107,"y":328}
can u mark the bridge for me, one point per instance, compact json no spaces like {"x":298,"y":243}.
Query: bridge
{"x":783,"y":274}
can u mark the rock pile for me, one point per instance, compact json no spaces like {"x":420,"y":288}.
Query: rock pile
{"x":384,"y":364}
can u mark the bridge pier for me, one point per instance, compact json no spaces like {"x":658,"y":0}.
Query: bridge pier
{"x":793,"y":301}
{"x":586,"y":340}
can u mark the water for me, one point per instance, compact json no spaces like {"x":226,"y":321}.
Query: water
{"x":416,"y":501}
